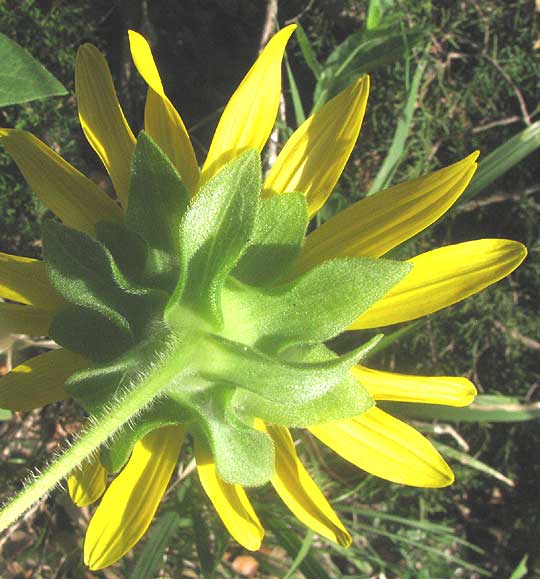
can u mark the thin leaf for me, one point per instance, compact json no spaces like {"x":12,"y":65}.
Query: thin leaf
{"x":428,"y":549}
{"x":22,"y":77}
{"x":302,"y":554}
{"x":202,"y":541}
{"x":150,"y":557}
{"x":361,"y":52}
{"x":467,"y":460}
{"x":521,"y":570}
{"x":299,"y":114}
{"x":310,"y":565}
{"x":307,"y":51}
{"x":395,"y":336}
{"x":397,"y":148}
{"x":486,"y":408}
{"x":502,"y":159}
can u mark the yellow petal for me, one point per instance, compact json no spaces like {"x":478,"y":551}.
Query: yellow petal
{"x":300,"y":492}
{"x":87,"y":483}
{"x":40,"y":380}
{"x":386,"y":447}
{"x":102,"y":118}
{"x":313,"y":158}
{"x":17,"y":319}
{"x":25,"y":280}
{"x":129,"y":504}
{"x":161,"y":120}
{"x":442,"y":277}
{"x":376,"y":224}
{"x":248,"y":118}
{"x":74,"y":198}
{"x":230,"y":501}
{"x":448,"y":390}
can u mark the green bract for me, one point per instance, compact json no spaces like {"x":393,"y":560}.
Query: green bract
{"x":201,"y":289}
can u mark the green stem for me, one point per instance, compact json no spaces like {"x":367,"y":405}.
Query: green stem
{"x":131,"y":402}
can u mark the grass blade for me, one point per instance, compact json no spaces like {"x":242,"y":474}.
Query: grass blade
{"x":468,"y":460}
{"x":486,"y":408}
{"x":521,"y":570}
{"x":307,"y":51}
{"x":397,"y":148}
{"x":299,"y":114}
{"x":309,"y":564}
{"x":302,"y":554}
{"x":359,"y":53}
{"x":502,"y":159}
{"x":150,"y":557}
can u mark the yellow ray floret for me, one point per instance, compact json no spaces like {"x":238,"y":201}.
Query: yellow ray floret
{"x":87,"y":483}
{"x":377,"y":224}
{"x":442,"y":277}
{"x":25,"y":280}
{"x":230,"y":501}
{"x":313,"y":159}
{"x":448,"y":390}
{"x":161,"y":120}
{"x":129,"y":504}
{"x":102,"y":118}
{"x":248,"y":118}
{"x":71,"y":196}
{"x":19,"y":319}
{"x":299,"y":492}
{"x":386,"y":447}
{"x":40,"y":380}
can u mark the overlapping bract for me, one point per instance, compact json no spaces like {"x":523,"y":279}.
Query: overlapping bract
{"x":265,"y":262}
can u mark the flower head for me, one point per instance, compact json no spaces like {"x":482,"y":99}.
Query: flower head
{"x":196,"y":304}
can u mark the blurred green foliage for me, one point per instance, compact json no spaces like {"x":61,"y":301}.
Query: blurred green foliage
{"x":52,"y":37}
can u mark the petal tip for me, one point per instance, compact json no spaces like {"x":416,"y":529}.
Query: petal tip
{"x":344,"y":539}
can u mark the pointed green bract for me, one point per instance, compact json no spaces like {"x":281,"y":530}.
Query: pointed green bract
{"x":271,"y":377}
{"x":243,"y":455}
{"x":100,"y":335}
{"x":215,"y":231}
{"x":314,"y":308}
{"x":192,"y":293}
{"x":346,"y":399}
{"x":276,"y":240}
{"x":157,"y":202}
{"x":129,"y":250}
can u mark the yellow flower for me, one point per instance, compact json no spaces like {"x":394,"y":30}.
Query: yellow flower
{"x":311,"y":163}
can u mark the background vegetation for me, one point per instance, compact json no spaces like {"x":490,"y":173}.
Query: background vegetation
{"x":480,"y":65}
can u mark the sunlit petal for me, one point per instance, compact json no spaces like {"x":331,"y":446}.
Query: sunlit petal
{"x":248,"y":118}
{"x":102,"y":118}
{"x":130,"y":503}
{"x":448,"y":390}
{"x":299,"y":491}
{"x":87,"y":483}
{"x":39,"y":380}
{"x":386,"y":447}
{"x":314,"y":157}
{"x":376,"y":224}
{"x":19,"y":319}
{"x":442,"y":277}
{"x":74,"y":198}
{"x":161,"y":120}
{"x":230,"y":501}
{"x":25,"y":280}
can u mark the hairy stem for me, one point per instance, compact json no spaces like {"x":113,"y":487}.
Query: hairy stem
{"x":130,"y":403}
